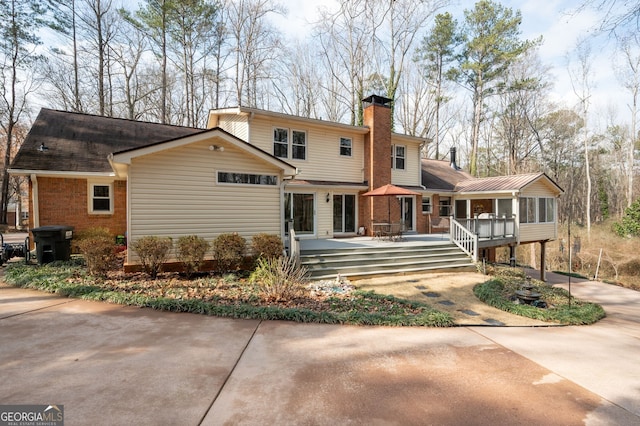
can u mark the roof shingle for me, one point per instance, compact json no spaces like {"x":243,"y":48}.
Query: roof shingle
{"x":81,"y":142}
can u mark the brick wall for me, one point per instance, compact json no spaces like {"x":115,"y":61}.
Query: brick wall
{"x":63,"y":201}
{"x":377,"y":164}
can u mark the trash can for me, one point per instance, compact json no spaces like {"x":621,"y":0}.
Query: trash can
{"x":53,"y":242}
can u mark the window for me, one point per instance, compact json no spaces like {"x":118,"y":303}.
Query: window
{"x":281,"y":143}
{"x":100,"y":198}
{"x":345,"y":147}
{"x":546,"y":210}
{"x":426,"y":204}
{"x":505,"y":207}
{"x":527,"y":210}
{"x":300,"y":209}
{"x":299,"y":149}
{"x":444,"y":209}
{"x":281,"y":140}
{"x":398,"y":157}
{"x":247,"y":178}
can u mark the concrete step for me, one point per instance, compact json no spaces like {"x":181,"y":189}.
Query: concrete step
{"x":371,"y":261}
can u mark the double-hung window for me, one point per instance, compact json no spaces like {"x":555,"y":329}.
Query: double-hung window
{"x":281,"y":142}
{"x":345,"y":147}
{"x":100,"y":198}
{"x":289,"y":143}
{"x":398,"y":156}
{"x":426,"y":204}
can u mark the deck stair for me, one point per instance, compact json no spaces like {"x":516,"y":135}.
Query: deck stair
{"x":371,"y":261}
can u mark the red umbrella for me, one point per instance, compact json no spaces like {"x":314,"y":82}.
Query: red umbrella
{"x":389,"y":190}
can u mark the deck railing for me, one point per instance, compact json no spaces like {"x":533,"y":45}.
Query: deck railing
{"x":464,"y":238}
{"x":491,"y":227}
{"x":294,"y":246}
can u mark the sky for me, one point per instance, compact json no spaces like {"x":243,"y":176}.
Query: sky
{"x":560,"y":26}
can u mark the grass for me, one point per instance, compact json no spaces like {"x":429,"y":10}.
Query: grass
{"x":561,"y":308}
{"x":228,"y":296}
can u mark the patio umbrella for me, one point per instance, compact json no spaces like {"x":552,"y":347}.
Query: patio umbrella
{"x":389,"y":190}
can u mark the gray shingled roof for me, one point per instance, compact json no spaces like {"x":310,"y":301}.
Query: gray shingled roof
{"x":81,"y":142}
{"x":439,"y":175}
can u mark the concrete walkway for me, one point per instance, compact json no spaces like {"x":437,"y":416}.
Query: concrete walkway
{"x":110,"y":364}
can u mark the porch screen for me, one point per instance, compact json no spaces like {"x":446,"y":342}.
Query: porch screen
{"x":300,"y":208}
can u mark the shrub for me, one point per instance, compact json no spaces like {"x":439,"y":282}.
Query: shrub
{"x":266,"y":246}
{"x":153,"y":252}
{"x":99,"y":254}
{"x":89,"y":233}
{"x":228,"y":251}
{"x":279,"y":279}
{"x":191,"y":250}
{"x":630,"y":223}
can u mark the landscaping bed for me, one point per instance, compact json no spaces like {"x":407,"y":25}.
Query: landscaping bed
{"x":557,"y":307}
{"x":230,"y":295}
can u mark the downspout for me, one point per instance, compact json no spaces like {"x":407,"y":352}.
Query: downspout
{"x":34,"y":200}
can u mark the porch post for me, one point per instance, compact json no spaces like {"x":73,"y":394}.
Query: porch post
{"x":512,"y":256}
{"x":543,"y":256}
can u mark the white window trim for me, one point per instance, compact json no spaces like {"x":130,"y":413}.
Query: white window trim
{"x":427,"y":197}
{"x":306,"y":144}
{"x":350,"y":146}
{"x":90,"y":186}
{"x":247,"y":184}
{"x":395,"y":152}
{"x":290,"y":143}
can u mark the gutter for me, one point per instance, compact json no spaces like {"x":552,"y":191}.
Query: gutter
{"x":34,"y":200}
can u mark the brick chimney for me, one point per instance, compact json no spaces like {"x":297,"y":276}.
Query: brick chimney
{"x":377,"y":158}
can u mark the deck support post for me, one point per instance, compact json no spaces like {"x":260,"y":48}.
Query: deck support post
{"x":543,"y":256}
{"x":512,"y":256}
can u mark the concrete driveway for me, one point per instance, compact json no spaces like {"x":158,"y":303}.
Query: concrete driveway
{"x":110,"y":364}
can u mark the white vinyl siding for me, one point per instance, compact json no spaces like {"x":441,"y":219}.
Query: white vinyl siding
{"x":236,"y":125}
{"x":538,"y":231}
{"x":323,"y":161}
{"x":175,"y":193}
{"x":411,"y":175}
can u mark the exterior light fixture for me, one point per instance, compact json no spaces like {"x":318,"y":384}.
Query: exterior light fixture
{"x":216,"y":148}
{"x":328,"y":197}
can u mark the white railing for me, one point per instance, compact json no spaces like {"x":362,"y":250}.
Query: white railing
{"x":464,"y":238}
{"x":491,"y":227}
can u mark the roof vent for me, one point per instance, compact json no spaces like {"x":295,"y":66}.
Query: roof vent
{"x":452,"y":157}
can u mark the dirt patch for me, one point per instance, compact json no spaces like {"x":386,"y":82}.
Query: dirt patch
{"x":447,"y":292}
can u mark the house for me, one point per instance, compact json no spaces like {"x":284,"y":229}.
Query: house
{"x":254,"y":171}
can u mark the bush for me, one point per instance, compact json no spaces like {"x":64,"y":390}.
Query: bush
{"x":279,"y":279}
{"x":191,"y":251}
{"x":228,"y":251}
{"x":153,"y":252}
{"x":89,"y":233}
{"x":99,"y":254}
{"x":629,"y":226}
{"x":266,"y":246}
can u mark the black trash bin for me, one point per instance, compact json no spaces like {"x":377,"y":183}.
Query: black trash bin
{"x":53,"y":242}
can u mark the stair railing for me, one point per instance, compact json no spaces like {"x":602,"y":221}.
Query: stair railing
{"x":463,"y":238}
{"x":294,"y":246}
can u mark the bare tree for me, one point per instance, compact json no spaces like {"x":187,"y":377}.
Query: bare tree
{"x":19,"y":23}
{"x":628,"y":73}
{"x":254,"y":43}
{"x":581,"y":76}
{"x":346,"y":42}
